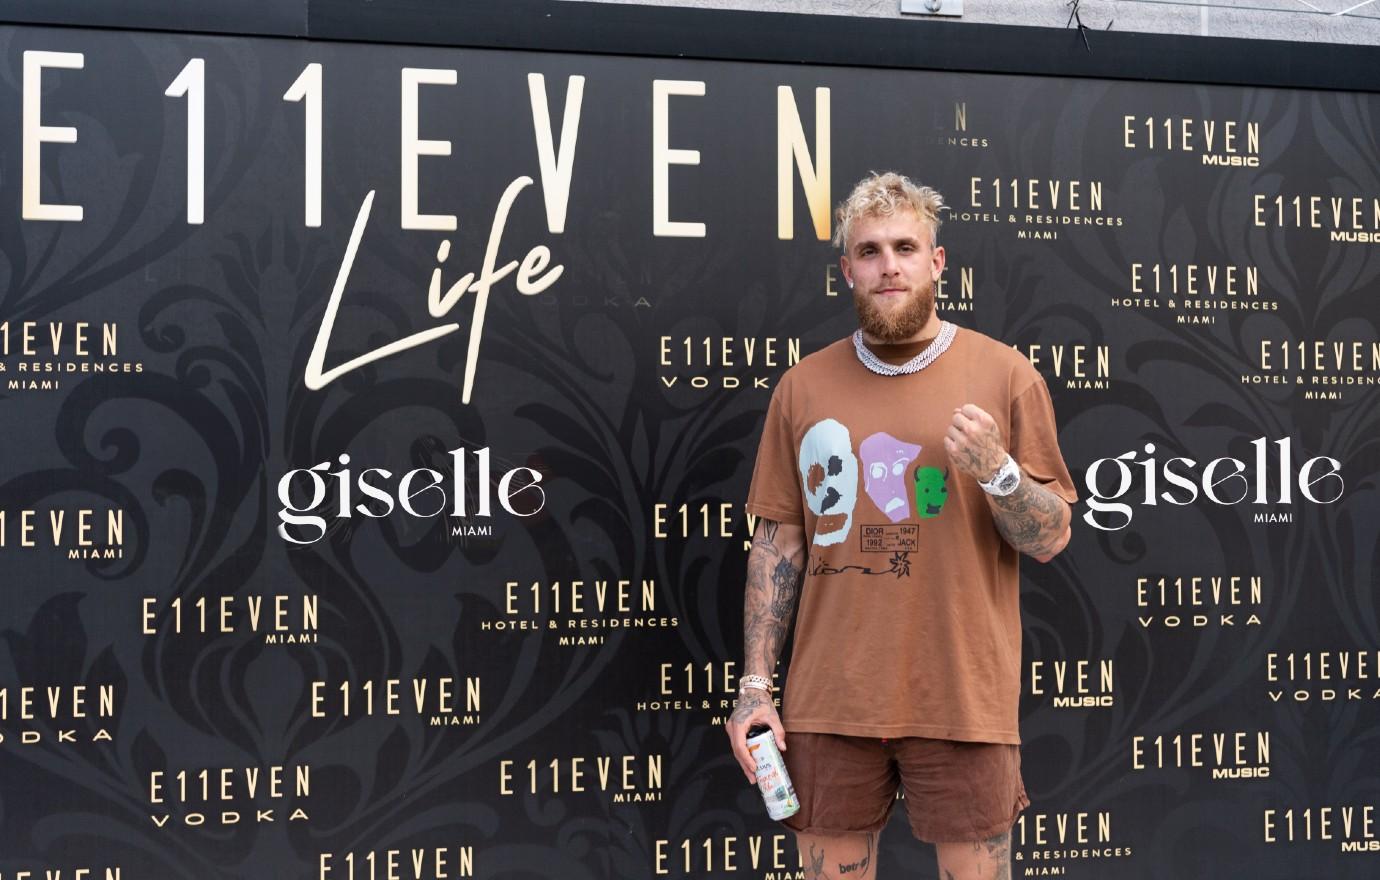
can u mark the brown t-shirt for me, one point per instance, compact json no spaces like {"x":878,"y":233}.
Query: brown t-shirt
{"x":909,"y":616}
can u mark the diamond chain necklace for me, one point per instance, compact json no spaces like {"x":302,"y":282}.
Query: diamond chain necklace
{"x":914,"y":365}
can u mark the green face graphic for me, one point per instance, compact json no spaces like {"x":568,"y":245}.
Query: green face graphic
{"x":930,"y":492}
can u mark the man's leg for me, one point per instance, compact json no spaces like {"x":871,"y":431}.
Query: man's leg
{"x":846,"y":786}
{"x":985,"y":860}
{"x":961,"y":792}
{"x":838,"y":856}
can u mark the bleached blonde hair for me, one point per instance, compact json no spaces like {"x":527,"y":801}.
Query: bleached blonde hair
{"x":881,"y":195}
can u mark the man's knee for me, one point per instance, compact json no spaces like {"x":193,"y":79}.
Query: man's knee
{"x":838,"y":856}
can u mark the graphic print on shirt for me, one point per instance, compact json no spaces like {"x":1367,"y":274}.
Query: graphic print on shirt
{"x":829,"y":478}
{"x":885,"y":460}
{"x":898,"y":565}
{"x":931,"y":491}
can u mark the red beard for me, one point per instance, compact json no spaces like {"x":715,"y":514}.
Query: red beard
{"x":895,"y":324}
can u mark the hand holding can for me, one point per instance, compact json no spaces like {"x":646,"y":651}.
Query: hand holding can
{"x":772,"y":778}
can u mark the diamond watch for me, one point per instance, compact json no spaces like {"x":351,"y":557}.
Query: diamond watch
{"x":1005,"y":480}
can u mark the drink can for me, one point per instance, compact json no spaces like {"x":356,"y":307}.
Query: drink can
{"x":772,"y":778}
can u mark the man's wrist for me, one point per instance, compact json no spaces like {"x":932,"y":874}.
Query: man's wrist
{"x":751,"y":699}
{"x":1004,"y":480}
{"x":753,"y":682}
{"x":993,"y":470}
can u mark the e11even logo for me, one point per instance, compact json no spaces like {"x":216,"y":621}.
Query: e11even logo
{"x":1225,"y":481}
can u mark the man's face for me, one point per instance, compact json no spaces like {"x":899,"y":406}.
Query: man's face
{"x":893,"y":267}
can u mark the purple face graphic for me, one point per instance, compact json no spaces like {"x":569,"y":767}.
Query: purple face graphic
{"x":884,"y":461}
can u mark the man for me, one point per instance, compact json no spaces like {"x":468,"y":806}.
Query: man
{"x":900,"y":474}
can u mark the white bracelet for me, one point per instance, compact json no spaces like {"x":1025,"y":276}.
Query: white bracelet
{"x":754,"y":682}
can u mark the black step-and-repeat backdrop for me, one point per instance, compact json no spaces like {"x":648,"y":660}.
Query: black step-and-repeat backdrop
{"x":377,"y":421}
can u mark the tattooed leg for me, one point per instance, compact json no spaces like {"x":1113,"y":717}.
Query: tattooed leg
{"x":984,"y":860}
{"x":838,"y":856}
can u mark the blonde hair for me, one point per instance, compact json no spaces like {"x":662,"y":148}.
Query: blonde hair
{"x":881,"y":195}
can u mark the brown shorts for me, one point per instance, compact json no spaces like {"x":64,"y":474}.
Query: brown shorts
{"x":954,"y":791}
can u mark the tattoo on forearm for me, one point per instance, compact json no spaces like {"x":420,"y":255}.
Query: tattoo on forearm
{"x":1031,"y":519}
{"x":784,"y":579}
{"x":773,"y":584}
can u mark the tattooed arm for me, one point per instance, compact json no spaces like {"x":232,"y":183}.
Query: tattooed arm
{"x":774,"y":568}
{"x":773,"y":581}
{"x":1032,"y":519}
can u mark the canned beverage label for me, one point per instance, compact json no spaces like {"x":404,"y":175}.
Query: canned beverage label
{"x":772,"y":778}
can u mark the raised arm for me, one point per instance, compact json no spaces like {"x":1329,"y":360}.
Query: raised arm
{"x":1032,"y":519}
{"x":775,"y":562}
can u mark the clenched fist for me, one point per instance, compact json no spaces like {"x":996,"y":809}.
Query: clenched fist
{"x":973,"y":442}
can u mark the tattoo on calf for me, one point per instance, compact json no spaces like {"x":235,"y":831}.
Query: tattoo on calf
{"x":860,"y":866}
{"x":999,"y":850}
{"x":815,"y":870}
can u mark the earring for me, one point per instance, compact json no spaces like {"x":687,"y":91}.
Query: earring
{"x":850,"y":283}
